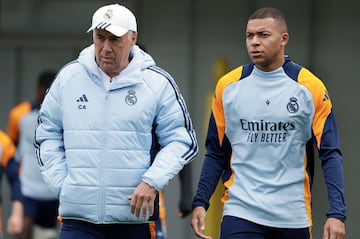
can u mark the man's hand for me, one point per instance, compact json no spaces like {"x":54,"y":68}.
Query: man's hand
{"x":142,"y":200}
{"x":334,"y":229}
{"x":15,"y":223}
{"x":198,"y":222}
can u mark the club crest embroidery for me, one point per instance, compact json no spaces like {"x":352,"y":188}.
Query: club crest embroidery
{"x":131,"y":98}
{"x":108,"y":14}
{"x":292,"y":106}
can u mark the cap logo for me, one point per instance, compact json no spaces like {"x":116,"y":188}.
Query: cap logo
{"x":108,"y":14}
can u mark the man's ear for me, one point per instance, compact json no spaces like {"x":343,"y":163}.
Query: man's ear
{"x":285,"y":39}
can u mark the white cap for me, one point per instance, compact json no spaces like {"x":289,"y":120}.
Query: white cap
{"x":114,"y":18}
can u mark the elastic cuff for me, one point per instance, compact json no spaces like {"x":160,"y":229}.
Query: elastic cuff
{"x":200,"y":202}
{"x":341,"y":217}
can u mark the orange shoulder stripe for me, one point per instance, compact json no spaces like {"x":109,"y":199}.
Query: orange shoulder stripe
{"x":321,"y":101}
{"x":15,"y":117}
{"x":217,"y":107}
{"x":8,"y":149}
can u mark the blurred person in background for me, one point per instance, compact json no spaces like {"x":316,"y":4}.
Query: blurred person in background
{"x":40,"y":203}
{"x":96,"y":132}
{"x":11,"y":168}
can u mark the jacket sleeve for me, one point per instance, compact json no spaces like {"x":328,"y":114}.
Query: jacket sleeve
{"x":218,"y":151}
{"x":331,"y":163}
{"x":12,"y":174}
{"x":10,"y":166}
{"x":49,"y":140}
{"x":176,"y":136}
{"x":328,"y":144}
{"x":214,"y":165}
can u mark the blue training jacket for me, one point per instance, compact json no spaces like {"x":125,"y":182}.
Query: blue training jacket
{"x":262,"y":130}
{"x":94,"y":145}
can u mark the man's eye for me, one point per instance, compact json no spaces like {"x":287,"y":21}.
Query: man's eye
{"x":115,"y":39}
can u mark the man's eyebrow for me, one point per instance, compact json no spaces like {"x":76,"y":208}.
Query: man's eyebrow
{"x":114,"y":37}
{"x":259,"y":31}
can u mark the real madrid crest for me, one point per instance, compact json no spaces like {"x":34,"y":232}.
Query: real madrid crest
{"x":131,"y":98}
{"x":108,"y":14}
{"x":292,"y":106}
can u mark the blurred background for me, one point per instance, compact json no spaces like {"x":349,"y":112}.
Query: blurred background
{"x":195,"y":41}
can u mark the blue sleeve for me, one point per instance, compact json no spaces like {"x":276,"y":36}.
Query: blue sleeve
{"x":12,"y":174}
{"x":210,"y":175}
{"x":335,"y":186}
{"x":331,"y":158}
{"x":215,"y":164}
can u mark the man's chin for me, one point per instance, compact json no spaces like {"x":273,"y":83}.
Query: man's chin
{"x":106,"y":66}
{"x":258,"y":61}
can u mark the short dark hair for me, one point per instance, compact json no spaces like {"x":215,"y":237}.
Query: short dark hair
{"x":46,"y":78}
{"x":269,"y":12}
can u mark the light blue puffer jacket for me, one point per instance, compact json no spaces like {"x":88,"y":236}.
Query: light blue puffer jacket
{"x":93,"y":145}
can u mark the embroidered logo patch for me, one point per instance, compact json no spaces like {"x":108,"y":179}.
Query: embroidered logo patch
{"x":108,"y":14}
{"x":131,"y":98}
{"x":292,"y":106}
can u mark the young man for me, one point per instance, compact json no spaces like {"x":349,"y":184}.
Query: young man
{"x":40,"y":203}
{"x":97,"y":128}
{"x":265,"y":118}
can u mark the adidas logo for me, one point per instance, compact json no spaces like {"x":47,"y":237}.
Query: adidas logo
{"x":82,"y":99}
{"x":326,"y":96}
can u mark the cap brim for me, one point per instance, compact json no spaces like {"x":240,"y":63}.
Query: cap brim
{"x":90,"y":29}
{"x":115,"y":30}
